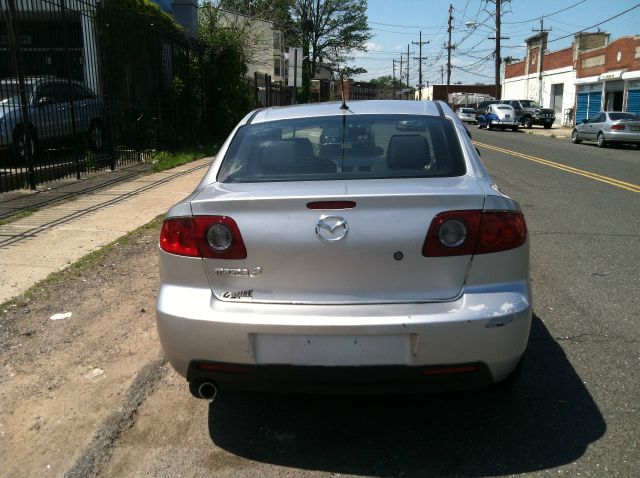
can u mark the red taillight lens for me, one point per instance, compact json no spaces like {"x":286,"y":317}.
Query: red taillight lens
{"x":178,"y":237}
{"x":501,"y":231}
{"x":436,"y":244}
{"x":486,"y":232}
{"x":214,"y":237}
{"x":617,"y":127}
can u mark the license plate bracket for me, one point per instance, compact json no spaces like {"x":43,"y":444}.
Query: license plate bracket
{"x":332,"y":350}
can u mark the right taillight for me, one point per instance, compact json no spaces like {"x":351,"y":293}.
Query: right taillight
{"x":213,"y":237}
{"x":456,"y":233}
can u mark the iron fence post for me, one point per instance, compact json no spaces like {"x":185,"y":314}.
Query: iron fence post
{"x":24,"y":105}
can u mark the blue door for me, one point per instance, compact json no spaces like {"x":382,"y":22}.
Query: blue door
{"x":595,"y":101}
{"x":582,"y":107}
{"x":633,"y":101}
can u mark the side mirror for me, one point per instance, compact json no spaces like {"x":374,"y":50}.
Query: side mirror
{"x":45,"y":100}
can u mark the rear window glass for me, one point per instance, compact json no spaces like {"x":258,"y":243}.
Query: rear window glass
{"x":623,"y":116}
{"x":468,"y":110}
{"x":508,"y":108}
{"x":343,"y":147}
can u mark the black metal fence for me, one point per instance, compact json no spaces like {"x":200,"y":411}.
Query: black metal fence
{"x":85,"y":85}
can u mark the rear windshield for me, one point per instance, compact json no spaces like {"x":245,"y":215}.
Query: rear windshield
{"x":468,"y":110}
{"x":508,"y":108}
{"x":623,"y":116}
{"x":343,"y":147}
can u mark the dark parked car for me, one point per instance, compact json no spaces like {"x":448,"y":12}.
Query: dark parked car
{"x":529,"y":112}
{"x":609,"y":127}
{"x":55,"y":108}
{"x":481,"y":110}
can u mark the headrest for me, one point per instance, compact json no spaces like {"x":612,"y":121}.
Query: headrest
{"x":407,"y":151}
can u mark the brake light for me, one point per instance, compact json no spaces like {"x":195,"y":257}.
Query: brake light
{"x":457,"y":233}
{"x":617,"y":127}
{"x":213,"y":237}
{"x":331,"y":205}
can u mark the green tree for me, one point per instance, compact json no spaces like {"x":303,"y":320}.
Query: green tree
{"x":223,"y":69}
{"x":329,"y":29}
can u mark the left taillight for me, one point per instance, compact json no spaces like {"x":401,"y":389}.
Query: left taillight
{"x":617,"y":127}
{"x":213,"y":237}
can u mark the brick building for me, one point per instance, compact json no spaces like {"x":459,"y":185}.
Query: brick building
{"x":592,"y":75}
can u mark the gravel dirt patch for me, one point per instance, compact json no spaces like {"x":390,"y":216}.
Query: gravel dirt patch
{"x":66,"y":385}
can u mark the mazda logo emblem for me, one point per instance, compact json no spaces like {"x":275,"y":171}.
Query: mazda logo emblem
{"x":331,"y":228}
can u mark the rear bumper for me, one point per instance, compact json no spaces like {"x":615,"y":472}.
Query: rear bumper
{"x":622,"y":136}
{"x":352,"y":380}
{"x":486,"y":328}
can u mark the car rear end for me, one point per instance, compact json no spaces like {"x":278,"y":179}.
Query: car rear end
{"x":467,"y":115}
{"x":622,"y":128}
{"x":292,"y":269}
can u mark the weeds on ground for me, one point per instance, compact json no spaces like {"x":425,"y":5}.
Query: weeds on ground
{"x":163,"y":160}
{"x":19,"y":215}
{"x":93,"y":259}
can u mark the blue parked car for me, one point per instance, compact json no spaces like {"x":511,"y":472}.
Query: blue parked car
{"x":499,"y":116}
{"x":54,"y":105}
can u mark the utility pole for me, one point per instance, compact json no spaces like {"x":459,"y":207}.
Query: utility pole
{"x":441,"y":74}
{"x":497,"y":39}
{"x":394,"y":79}
{"x":420,"y":58}
{"x":407,"y":71}
{"x":449,"y":51}
{"x":543,"y":44}
{"x":400,"y":71}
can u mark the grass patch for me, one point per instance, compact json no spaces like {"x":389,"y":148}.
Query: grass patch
{"x":19,"y":215}
{"x":90,"y":260}
{"x":163,"y":160}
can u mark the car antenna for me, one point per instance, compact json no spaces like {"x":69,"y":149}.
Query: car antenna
{"x":344,"y":103}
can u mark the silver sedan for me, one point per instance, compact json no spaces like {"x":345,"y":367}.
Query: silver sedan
{"x":295,"y":265}
{"x":608,"y":127}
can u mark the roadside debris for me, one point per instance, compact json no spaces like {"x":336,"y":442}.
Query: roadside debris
{"x":64,"y":315}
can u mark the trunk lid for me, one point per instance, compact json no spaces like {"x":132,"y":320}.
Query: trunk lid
{"x":391,"y":218}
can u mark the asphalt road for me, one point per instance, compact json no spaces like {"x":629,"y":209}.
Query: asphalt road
{"x":574,"y":411}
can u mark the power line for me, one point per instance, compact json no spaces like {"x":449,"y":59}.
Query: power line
{"x":546,"y":15}
{"x":596,"y":25}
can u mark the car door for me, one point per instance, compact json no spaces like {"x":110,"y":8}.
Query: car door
{"x":84,"y":106}
{"x":51,"y":111}
{"x":593,"y":126}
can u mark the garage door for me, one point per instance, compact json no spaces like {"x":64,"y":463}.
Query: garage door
{"x":633,"y":101}
{"x":595,"y":101}
{"x":582,"y":107}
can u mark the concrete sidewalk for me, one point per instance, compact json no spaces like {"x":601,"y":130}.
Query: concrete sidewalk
{"x":54,"y":237}
{"x":555,"y":131}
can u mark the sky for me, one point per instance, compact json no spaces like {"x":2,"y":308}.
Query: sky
{"x":396,"y":23}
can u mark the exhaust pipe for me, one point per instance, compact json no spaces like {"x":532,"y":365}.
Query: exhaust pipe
{"x":207,"y":390}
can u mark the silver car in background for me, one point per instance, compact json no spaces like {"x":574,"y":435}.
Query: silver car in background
{"x":56,"y":108}
{"x":608,"y":127}
{"x":294,"y":267}
{"x":467,"y":115}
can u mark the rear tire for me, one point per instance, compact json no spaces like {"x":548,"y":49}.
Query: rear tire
{"x":20,"y":138}
{"x":527,"y":123}
{"x":600,"y":141}
{"x":547,"y":126}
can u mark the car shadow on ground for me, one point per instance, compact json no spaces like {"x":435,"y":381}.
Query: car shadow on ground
{"x":546,"y":420}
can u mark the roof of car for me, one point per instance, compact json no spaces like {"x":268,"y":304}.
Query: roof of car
{"x":355,"y":107}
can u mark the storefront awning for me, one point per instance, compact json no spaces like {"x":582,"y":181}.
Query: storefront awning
{"x":631,"y":75}
{"x":611,"y":75}
{"x":588,"y":79}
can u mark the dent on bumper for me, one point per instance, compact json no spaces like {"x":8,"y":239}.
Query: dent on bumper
{"x":480,"y":327}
